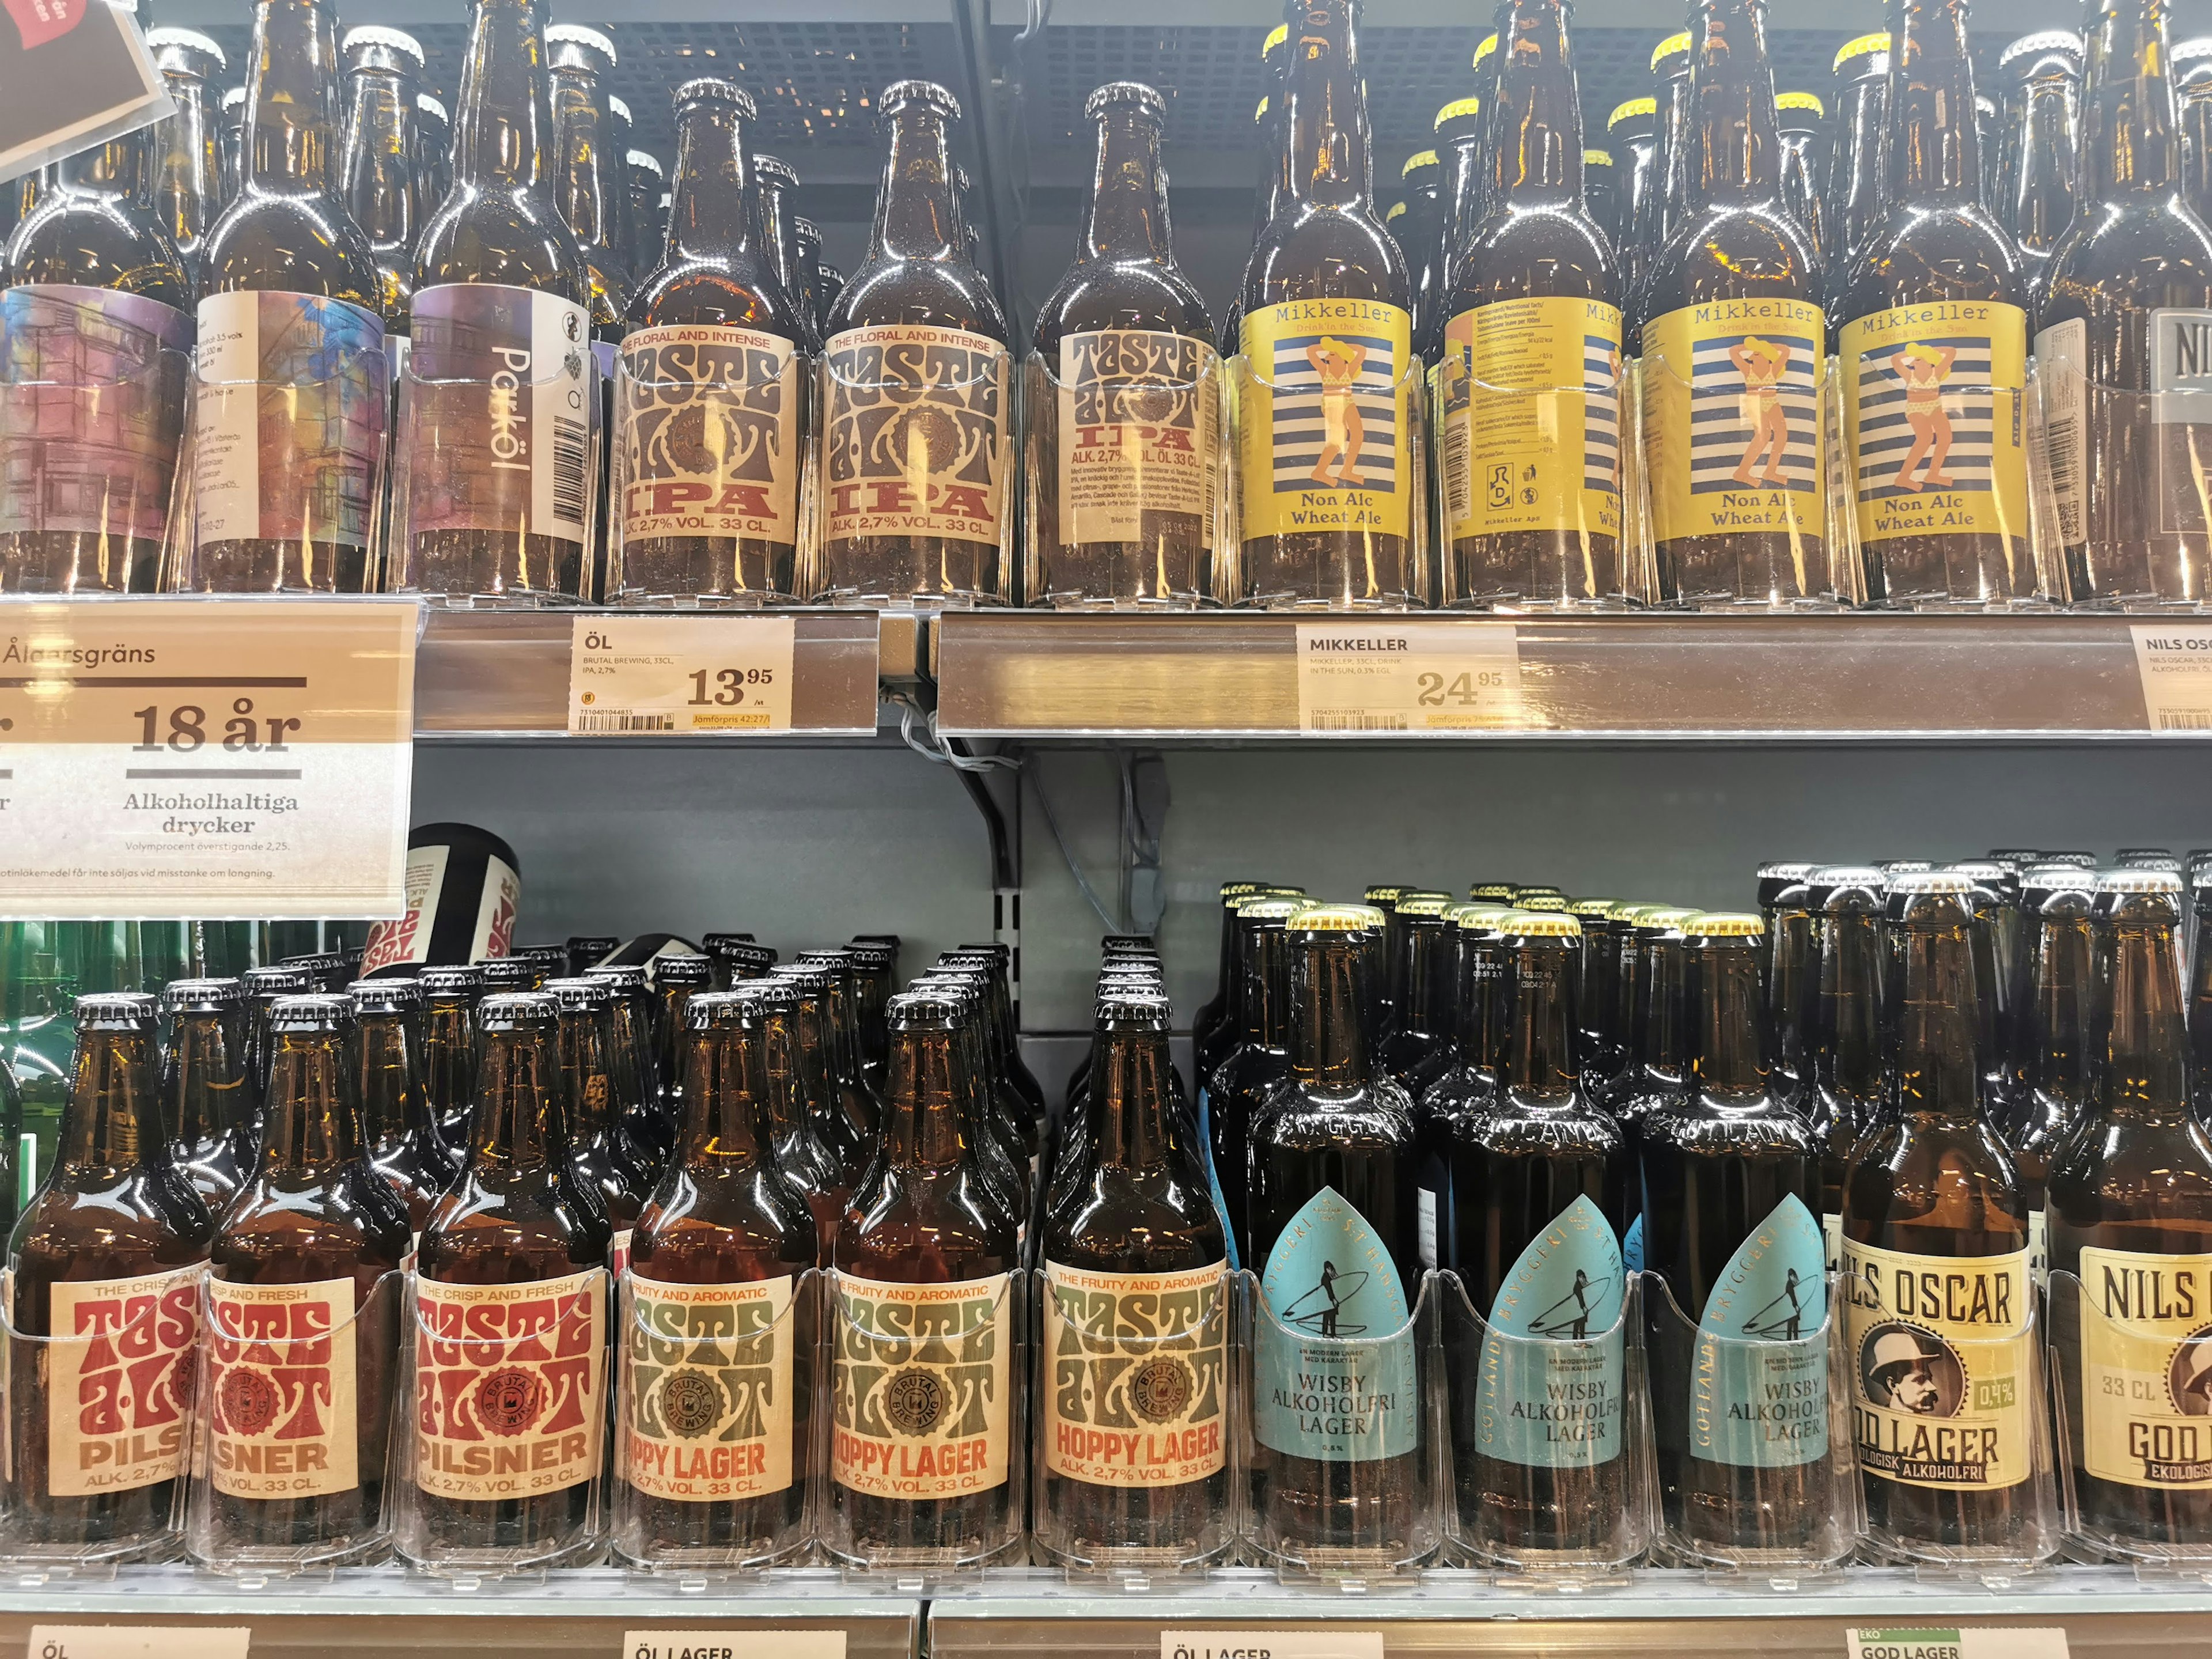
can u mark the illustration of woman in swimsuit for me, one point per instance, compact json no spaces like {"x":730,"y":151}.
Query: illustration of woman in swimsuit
{"x":1762,"y":365}
{"x":1343,"y":433}
{"x":1924,"y":369}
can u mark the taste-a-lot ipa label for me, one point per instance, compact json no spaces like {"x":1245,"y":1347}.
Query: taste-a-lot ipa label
{"x":2146,"y":1368}
{"x":921,"y":1387}
{"x":119,"y":1381}
{"x":1326,"y":401}
{"x":916,"y":433}
{"x":509,"y":1385}
{"x":282,"y":1414}
{"x":706,"y":1402}
{"x":1139,"y":433}
{"x":1135,"y":1371}
{"x":709,"y":424}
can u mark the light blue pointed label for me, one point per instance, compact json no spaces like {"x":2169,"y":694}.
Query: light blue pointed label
{"x":1549,"y":1395}
{"x":1334,"y":1366}
{"x":1213,"y":1176}
{"x":1632,"y":1248}
{"x":1758,"y":1388}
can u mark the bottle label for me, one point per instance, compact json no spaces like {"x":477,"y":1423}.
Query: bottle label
{"x":282,"y":1403}
{"x":92,"y":410}
{"x":922,"y":1383}
{"x":1139,"y":433}
{"x":1531,"y":392}
{"x":1934,"y":408}
{"x":2062,"y":358}
{"x":509,"y":1385}
{"x":1550,"y":1391}
{"x":391,"y":944}
{"x":1213,"y":1173}
{"x":916,"y":431}
{"x":2181,"y":366}
{"x":1136,"y":1375}
{"x":706,"y":1402}
{"x":501,"y":396}
{"x":119,"y":1381}
{"x":619,"y":1250}
{"x":1328,"y":442}
{"x":1631,"y":1245}
{"x":1759,"y":1384}
{"x":287,"y":422}
{"x":710,"y":434}
{"x":1334,"y":1370}
{"x":1732,"y":418}
{"x":1425,"y":1211}
{"x":2146,"y":1368}
{"x":1941,"y":1352}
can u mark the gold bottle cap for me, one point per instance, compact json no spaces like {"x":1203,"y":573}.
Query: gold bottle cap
{"x":1597,"y":158}
{"x":1495,"y":892}
{"x":1674,"y":917}
{"x":1419,"y":158}
{"x":1633,"y":911}
{"x":1277,"y":36}
{"x":1387,"y":894}
{"x":1480,"y":917}
{"x":1489,"y":45}
{"x":1527,"y":924}
{"x":1261,"y":114}
{"x":1334,"y":919}
{"x":1553,"y":904}
{"x":1804,"y":101}
{"x":1269,"y":907}
{"x":1592,"y":907}
{"x":1723,"y":924}
{"x":1456,"y":108}
{"x":1864,"y":46}
{"x":1424,"y":904}
{"x":1230,"y":890}
{"x":1396,"y":208}
{"x":1668,"y":47}
{"x":1630,"y":110}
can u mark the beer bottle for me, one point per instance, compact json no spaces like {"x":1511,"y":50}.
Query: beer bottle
{"x":1731,"y":1181}
{"x":633,"y":1071}
{"x":1132,"y":1244}
{"x":263,"y":988}
{"x":715,"y":1266}
{"x":377,"y":171}
{"x":853,"y":1115}
{"x":1259,"y":1058}
{"x":1933,"y":1201}
{"x":1734,"y":328}
{"x":449,"y":1045}
{"x":2200,"y":992}
{"x":292,"y":386}
{"x":515,"y":1253}
{"x":647,"y":224}
{"x":1994,"y":902}
{"x":1327,"y":442}
{"x":433,"y":154}
{"x":1221,"y":1007}
{"x":807,"y":269}
{"x":2043,"y":100}
{"x":1272,"y":142}
{"x":2125,"y":310}
{"x":1632,"y":130}
{"x":992,"y":1108}
{"x":598,"y":1148}
{"x":776,"y":186}
{"x":1003,"y":1033}
{"x":805,"y":1150}
{"x":1459,"y":147}
{"x":1124,"y":509}
{"x":205,"y":1086}
{"x":396,"y":1127}
{"x":1599,"y":189}
{"x":874,"y":966}
{"x":187,"y":165}
{"x":1483,"y":1005}
{"x":464,"y":886}
{"x":926,"y":1231}
{"x":1537,"y":1249}
{"x":2065,"y":1009}
{"x":1601,"y":1040}
{"x":830,"y":282}
{"x":1332,"y":1185}
{"x":909,"y":521}
{"x":112,"y":1244}
{"x":676,"y":979}
{"x":297,"y":1261}
{"x":1419,"y":236}
{"x":500,"y":459}
{"x":1532,"y":470}
{"x":841,"y":1008}
{"x":1417,"y":1048}
{"x":231,"y":143}
{"x":2192,"y":69}
{"x":589,"y":178}
{"x":737,"y":958}
{"x":1668,"y":203}
{"x":1792,"y":977}
{"x":1859,"y":176}
{"x":1845,"y":1032}
{"x":1801,"y":120}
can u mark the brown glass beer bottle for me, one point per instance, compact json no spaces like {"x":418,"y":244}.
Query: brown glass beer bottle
{"x":187,"y":170}
{"x":205,"y":1086}
{"x":377,"y":168}
{"x":397,"y":1126}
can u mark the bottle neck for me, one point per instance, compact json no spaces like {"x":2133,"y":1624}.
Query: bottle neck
{"x":2130,"y":138}
{"x":499,"y":130}
{"x":2145,"y":1076}
{"x":1324,"y":109}
{"x":1849,"y":1030}
{"x":1426,"y":1009}
{"x":113,"y":1120}
{"x":923,"y":1121}
{"x":1662,"y":1019}
{"x":516,"y":1126}
{"x":916,"y":216}
{"x":1937,"y":1073}
{"x":185,"y":172}
{"x":379,"y":158}
{"x":2043,"y":189}
{"x":1126,"y":218}
{"x":1267,"y":982}
{"x":1540,"y":118}
{"x":729,"y":1117}
{"x":1129,"y":1090}
{"x":1730,"y":1042}
{"x":1735,"y":149}
{"x":588,"y":181}
{"x":1542,"y":1068}
{"x":714,"y":181}
{"x":203,"y":1078}
{"x":313,"y":1123}
{"x":116,"y":169}
{"x":393,"y":1107}
{"x":1329,"y":1001}
{"x":291,"y":118}
{"x":1934,"y":148}
{"x":587,"y":1067}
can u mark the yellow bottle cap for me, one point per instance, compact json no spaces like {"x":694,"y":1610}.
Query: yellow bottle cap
{"x":1269,"y":909}
{"x":1261,"y":114}
{"x":1668,"y":47}
{"x":1424,"y":904}
{"x":1419,"y":158}
{"x":1499,"y":892}
{"x":1533,"y":925}
{"x":1489,"y":45}
{"x":1334,"y":919}
{"x":1230,"y":890}
{"x":1723,"y":924}
{"x":1630,"y":910}
{"x":1396,"y":208}
{"x":1276,"y":36}
{"x":1554,"y":902}
{"x":1863,"y":46}
{"x":1457,"y":108}
{"x":1384,"y":893}
{"x":1804,"y":101}
{"x":1592,"y":907}
{"x":1597,"y":158}
{"x":1630,"y":110}
{"x":1666,"y":915}
{"x":1477,"y":916}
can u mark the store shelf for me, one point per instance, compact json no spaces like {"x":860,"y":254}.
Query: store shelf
{"x":1233,"y":676}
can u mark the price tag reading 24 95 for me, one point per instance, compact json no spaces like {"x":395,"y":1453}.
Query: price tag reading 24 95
{"x":1412,"y":677}
{"x":674,"y":675}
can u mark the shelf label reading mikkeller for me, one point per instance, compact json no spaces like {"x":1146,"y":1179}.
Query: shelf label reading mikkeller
{"x":119,"y":1381}
{"x":709,"y":427}
{"x":1732,"y":418}
{"x":916,"y":433}
{"x":923,"y":1379}
{"x":509,"y":1385}
{"x":1548,"y":1394}
{"x":281,"y":1412}
{"x":1139,"y":433}
{"x":1758,"y":1382}
{"x":1328,"y":406}
{"x":1334,"y":1367}
{"x":1941,"y":1353}
{"x":1531,"y":400}
{"x":1935,"y":407}
{"x":1135,"y":1371}
{"x":2146,"y":1368}
{"x":708,"y":1413}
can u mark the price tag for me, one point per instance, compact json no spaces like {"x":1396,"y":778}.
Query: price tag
{"x":735,"y":1644}
{"x":247,"y":758}
{"x":138,"y":1642}
{"x":73,"y":75}
{"x":1308,"y":1644}
{"x":1408,"y":676}
{"x":1956,"y":1644}
{"x":2176,"y":666}
{"x":674,"y":675}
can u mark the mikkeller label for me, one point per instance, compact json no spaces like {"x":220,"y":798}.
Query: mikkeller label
{"x":706,"y":1403}
{"x":119,"y":1381}
{"x":922,"y":1381}
{"x":1135,"y":1373}
{"x":2146,"y":1368}
{"x":509,"y":1385}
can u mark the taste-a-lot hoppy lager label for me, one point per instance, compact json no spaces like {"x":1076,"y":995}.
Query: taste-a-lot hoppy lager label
{"x":1135,"y":1375}
{"x":915,"y":431}
{"x":1327,"y":404}
{"x":922,"y":1385}
{"x":510,"y":1395}
{"x":707,"y":1408}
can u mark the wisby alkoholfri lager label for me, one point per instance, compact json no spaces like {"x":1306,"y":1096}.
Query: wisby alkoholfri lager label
{"x":1548,"y":1394}
{"x":1334,"y":1377}
{"x":1759,"y":1384}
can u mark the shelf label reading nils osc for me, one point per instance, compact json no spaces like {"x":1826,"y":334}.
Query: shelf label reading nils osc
{"x":2175,"y":663}
{"x":678,"y":676}
{"x":1411,"y":677}
{"x":138,"y":1641}
{"x":1311,"y":1643}
{"x":243,"y":758}
{"x":1955,"y":1643}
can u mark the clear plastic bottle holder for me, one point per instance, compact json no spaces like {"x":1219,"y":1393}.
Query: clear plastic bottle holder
{"x":1123,"y":469}
{"x":295,"y":1404}
{"x":502,"y":1454}
{"x":713,"y":471}
{"x":1135,"y":1410}
{"x":1332,"y":491}
{"x":93,"y":391}
{"x":1549,"y":1455}
{"x":719,"y":1411}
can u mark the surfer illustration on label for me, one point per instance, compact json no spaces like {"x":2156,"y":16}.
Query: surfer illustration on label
{"x":1759,"y":1393}
{"x":1548,"y":1393}
{"x":1334,"y":1361}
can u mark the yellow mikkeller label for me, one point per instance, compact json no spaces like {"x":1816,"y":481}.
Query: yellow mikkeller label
{"x":2146,"y":1368}
{"x":1328,"y":409}
{"x":1531,"y":428}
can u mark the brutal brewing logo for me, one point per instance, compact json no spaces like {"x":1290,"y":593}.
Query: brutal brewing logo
{"x":1160,"y":1390}
{"x":1135,"y":1375}
{"x":690,"y":1403}
{"x":247,"y":1401}
{"x":707,"y":1411}
{"x":916,"y":433}
{"x":913,"y":1400}
{"x":710,"y":434}
{"x":508,"y":1401}
{"x":922,"y":1379}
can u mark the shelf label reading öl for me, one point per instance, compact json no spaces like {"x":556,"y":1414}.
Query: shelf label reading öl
{"x":735,"y":1644}
{"x":677,"y":676}
{"x":138,"y":1641}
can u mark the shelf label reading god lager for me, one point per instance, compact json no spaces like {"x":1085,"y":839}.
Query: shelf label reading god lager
{"x":117,"y":1382}
{"x":1140,"y":432}
{"x":921,"y":1387}
{"x":1548,"y":1394}
{"x":1942,"y":1353}
{"x":916,"y":433}
{"x":284,"y":1399}
{"x":1935,"y":408}
{"x":1327,"y":404}
{"x":2146,"y":1368}
{"x":1135,"y":1375}
{"x":1334,"y":1369}
{"x":708,"y":419}
{"x":707,"y":1414}
{"x":1759,"y":1384}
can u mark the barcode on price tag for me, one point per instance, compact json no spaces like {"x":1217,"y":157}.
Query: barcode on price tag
{"x":1941,"y":1644}
{"x":679,"y":676}
{"x":1410,"y":677}
{"x":2175,"y":664}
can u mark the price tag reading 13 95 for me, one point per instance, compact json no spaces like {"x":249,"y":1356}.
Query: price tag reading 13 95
{"x":673,"y":676}
{"x":1385,"y":677}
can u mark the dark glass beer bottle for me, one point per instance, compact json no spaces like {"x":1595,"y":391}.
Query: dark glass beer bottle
{"x":2066,"y":1004}
{"x":1459,"y":149}
{"x":187,"y":167}
{"x":634,"y":1069}
{"x":377,"y":169}
{"x":449,"y":1047}
{"x":1668,"y":203}
{"x":589,"y":176}
{"x":1531,"y":407}
{"x":805,"y":1150}
{"x":2043,"y":111}
{"x":1801,"y":120}
{"x":2120,"y":337}
{"x":676,"y":981}
{"x":807,"y":269}
{"x":851,"y":1114}
{"x":1632,"y":130}
{"x":1003,"y":1034}
{"x":1599,"y":192}
{"x":875,"y":966}
{"x":433,"y":154}
{"x":920,"y":1458}
{"x":1419,"y":236}
{"x":104,"y":1263}
{"x":2192,"y":86}
{"x":993,"y":1111}
{"x":1858,"y":171}
{"x":1221,"y":1007}
{"x":1271,"y":141}
{"x":297,"y":1263}
{"x":397,"y":1126}
{"x":464,"y":887}
{"x":714,"y":1291}
{"x":1935,"y":1254}
{"x":774,"y":187}
{"x":1258,"y":1059}
{"x":1847,"y":1047}
{"x":1792,"y":976}
{"x":501,"y":391}
{"x":1417,"y":1048}
{"x":230,"y":142}
{"x":1482,"y":1006}
{"x":514,"y":1254}
{"x":205,"y":1086}
{"x":917,"y":431}
{"x":599,"y":1149}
